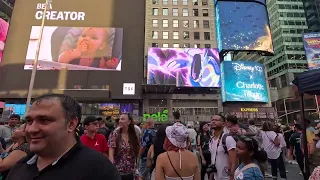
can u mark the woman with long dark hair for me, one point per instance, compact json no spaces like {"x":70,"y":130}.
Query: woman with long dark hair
{"x":251,"y":157}
{"x":124,"y":147}
{"x":203,"y":140}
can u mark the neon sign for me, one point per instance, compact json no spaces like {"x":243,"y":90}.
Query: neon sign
{"x":161,"y":117}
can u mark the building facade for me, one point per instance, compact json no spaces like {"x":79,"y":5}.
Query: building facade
{"x":180,"y":24}
{"x":287,"y":21}
{"x":312,"y":9}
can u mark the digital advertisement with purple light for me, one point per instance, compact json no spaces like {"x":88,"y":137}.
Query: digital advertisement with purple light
{"x":189,"y":67}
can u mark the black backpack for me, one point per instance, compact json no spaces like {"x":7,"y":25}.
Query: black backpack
{"x":224,"y":139}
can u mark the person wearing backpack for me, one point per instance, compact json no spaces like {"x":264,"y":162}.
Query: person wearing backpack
{"x":223,"y":164}
{"x":103,"y":129}
{"x":234,"y":129}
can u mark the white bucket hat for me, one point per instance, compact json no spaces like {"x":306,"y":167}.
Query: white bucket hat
{"x":177,"y":135}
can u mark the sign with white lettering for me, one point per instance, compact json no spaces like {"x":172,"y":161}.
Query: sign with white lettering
{"x":243,"y":81}
{"x":129,"y":88}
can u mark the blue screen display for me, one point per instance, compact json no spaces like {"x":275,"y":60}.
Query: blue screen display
{"x":243,"y":81}
{"x":243,"y":26}
{"x":14,"y":109}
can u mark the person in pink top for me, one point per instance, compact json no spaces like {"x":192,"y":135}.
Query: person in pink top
{"x":3,"y":35}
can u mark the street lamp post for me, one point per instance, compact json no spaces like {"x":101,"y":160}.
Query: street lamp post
{"x":35,"y":62}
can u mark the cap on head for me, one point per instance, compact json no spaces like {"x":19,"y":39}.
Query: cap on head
{"x":89,"y":119}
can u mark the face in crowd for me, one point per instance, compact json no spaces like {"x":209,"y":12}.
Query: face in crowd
{"x":13,"y":121}
{"x":50,"y":124}
{"x":124,"y":121}
{"x":217,"y":122}
{"x":92,"y":126}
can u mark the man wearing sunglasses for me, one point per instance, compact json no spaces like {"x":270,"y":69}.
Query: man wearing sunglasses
{"x":92,"y":139}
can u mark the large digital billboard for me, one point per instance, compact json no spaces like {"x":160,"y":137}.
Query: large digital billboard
{"x":3,"y":35}
{"x":243,"y":81}
{"x":243,"y":26}
{"x":191,"y":67}
{"x":311,"y":42}
{"x":75,"y":48}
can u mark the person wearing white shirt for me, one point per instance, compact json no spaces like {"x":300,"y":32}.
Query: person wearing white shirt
{"x":271,"y":144}
{"x":225,"y":162}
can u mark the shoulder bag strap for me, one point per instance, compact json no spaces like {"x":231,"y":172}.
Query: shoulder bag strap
{"x":173,"y":167}
{"x":238,"y":171}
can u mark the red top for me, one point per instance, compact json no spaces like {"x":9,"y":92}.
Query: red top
{"x":98,"y":142}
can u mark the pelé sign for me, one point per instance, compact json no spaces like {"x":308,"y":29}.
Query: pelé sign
{"x":161,"y":117}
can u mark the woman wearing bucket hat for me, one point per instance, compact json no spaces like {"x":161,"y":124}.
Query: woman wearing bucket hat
{"x":177,"y":163}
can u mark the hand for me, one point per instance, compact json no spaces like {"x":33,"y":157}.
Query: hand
{"x":204,"y":162}
{"x":83,"y":47}
{"x":112,"y":64}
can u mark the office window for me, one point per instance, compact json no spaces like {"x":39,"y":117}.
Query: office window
{"x":196,"y":35}
{"x":195,"y":12}
{"x":195,"y":2}
{"x":165,"y":23}
{"x":165,"y":45}
{"x":195,"y":23}
{"x":175,"y":2}
{"x":155,"y":11}
{"x":205,"y":12}
{"x":206,"y":24}
{"x":204,"y":2}
{"x":186,"y":23}
{"x":175,"y":23}
{"x":185,"y":12}
{"x":176,"y":45}
{"x":155,"y":34}
{"x":175,"y":35}
{"x":154,"y":22}
{"x":175,"y":12}
{"x":196,"y":45}
{"x":165,"y":12}
{"x":207,"y":45}
{"x":165,"y":35}
{"x":155,"y":1}
{"x":206,"y":35}
{"x":186,"y":35}
{"x":154,"y":45}
{"x":185,"y":2}
{"x":186,"y":45}
{"x":165,"y":2}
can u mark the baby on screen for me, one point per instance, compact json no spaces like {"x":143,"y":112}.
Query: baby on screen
{"x":90,"y":51}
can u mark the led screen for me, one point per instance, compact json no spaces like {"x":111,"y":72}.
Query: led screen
{"x":3,"y":35}
{"x":243,"y":81}
{"x":243,"y":26}
{"x":74,"y":48}
{"x":311,"y":43}
{"x":184,"y":67}
{"x":10,"y":109}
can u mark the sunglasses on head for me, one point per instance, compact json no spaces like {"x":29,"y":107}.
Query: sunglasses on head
{"x":247,"y":139}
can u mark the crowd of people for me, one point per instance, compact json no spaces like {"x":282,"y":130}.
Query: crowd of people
{"x":53,"y":144}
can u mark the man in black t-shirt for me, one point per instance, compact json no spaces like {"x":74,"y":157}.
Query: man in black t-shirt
{"x":103,"y":129}
{"x":295,"y":145}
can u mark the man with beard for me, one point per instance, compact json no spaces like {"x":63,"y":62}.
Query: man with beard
{"x":56,"y":150}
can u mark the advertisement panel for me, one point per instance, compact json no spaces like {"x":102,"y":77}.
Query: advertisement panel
{"x":243,"y":81}
{"x":246,"y":30}
{"x":3,"y":35}
{"x":75,"y":48}
{"x":311,"y":42}
{"x":191,"y":67}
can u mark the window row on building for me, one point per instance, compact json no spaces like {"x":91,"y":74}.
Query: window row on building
{"x":175,"y":12}
{"x":165,"y":23}
{"x":176,"y":35}
{"x":178,"y":45}
{"x":181,"y":2}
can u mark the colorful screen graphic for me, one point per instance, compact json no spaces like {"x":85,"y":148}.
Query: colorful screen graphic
{"x":311,"y":42}
{"x":184,"y":67}
{"x":3,"y":35}
{"x":243,"y":81}
{"x":246,"y":29}
{"x":10,"y":109}
{"x":74,"y":48}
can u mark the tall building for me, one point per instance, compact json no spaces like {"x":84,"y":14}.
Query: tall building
{"x":180,"y":24}
{"x":6,"y":7}
{"x":288,"y":22}
{"x":312,"y":9}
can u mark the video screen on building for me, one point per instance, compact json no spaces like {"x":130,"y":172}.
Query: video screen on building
{"x":190,"y":67}
{"x":311,"y":42}
{"x":75,"y":48}
{"x":243,"y":26}
{"x":3,"y":35}
{"x":243,"y":81}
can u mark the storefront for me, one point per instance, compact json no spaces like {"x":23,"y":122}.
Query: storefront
{"x":259,"y":114}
